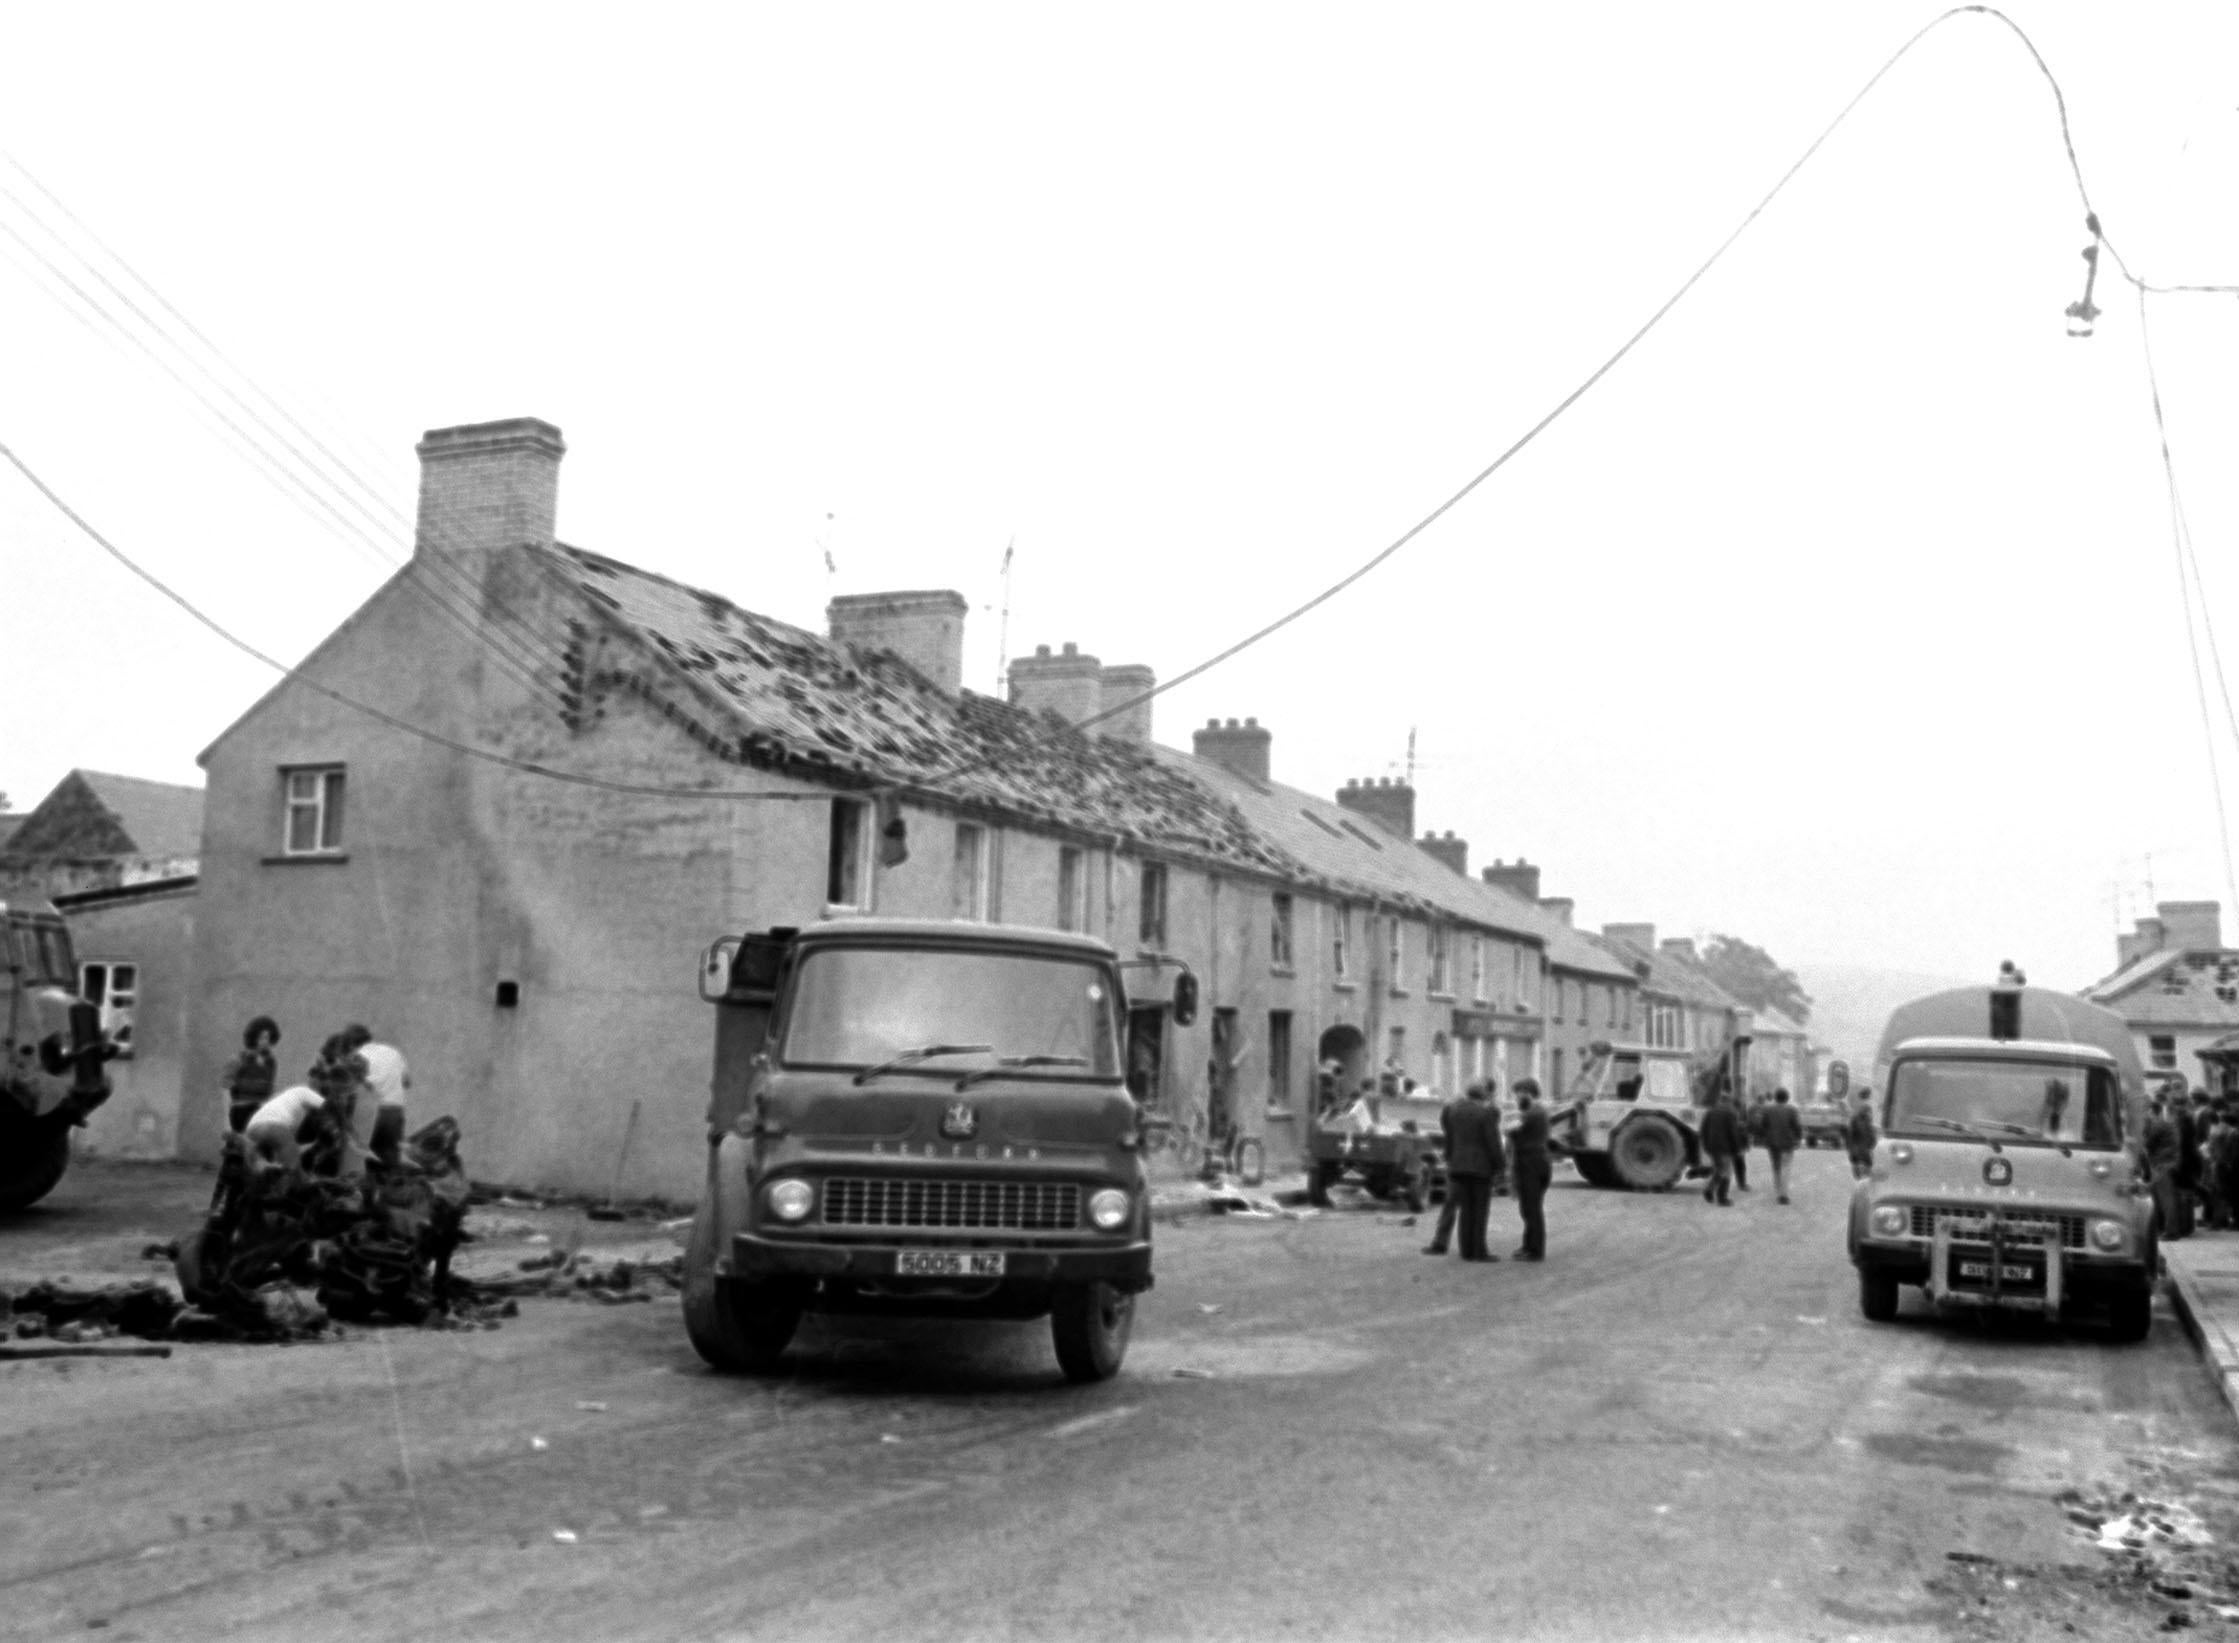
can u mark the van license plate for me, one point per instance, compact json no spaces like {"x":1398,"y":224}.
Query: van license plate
{"x":946,"y":1263}
{"x":2010,"y":1274}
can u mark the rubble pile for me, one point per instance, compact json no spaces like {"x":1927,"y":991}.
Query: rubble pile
{"x":282,"y":1253}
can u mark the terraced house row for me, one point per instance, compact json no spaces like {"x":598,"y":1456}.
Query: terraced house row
{"x":499,"y":812}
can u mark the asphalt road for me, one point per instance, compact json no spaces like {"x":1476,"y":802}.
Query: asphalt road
{"x":1678,"y":1427}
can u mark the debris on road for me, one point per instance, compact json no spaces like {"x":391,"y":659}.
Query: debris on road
{"x":1193,"y":1374}
{"x":12,"y":1350}
{"x":591,"y":1407}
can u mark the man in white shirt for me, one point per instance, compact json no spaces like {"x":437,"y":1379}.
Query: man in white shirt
{"x":387,"y":1076}
{"x":277,"y":1130}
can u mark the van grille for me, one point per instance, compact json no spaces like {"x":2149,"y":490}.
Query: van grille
{"x":2067,"y":1230}
{"x":1007,"y":1206}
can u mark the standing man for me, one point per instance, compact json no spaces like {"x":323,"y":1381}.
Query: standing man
{"x":1784,"y":1133}
{"x":387,"y":1076}
{"x":1859,"y":1135}
{"x":1473,"y":1157}
{"x":1530,"y":1169}
{"x":2161,"y":1146}
{"x":1722,"y":1140}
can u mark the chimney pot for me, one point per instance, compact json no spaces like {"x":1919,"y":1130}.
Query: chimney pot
{"x":485,"y":487}
{"x":1250,"y":723}
{"x":1071,"y":649}
{"x":1238,"y":748}
{"x":1519,"y":879}
{"x":1390,"y":804}
{"x":1070,"y":685}
{"x":1126,"y":682}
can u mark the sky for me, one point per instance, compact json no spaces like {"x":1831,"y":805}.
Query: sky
{"x":1843,"y":614}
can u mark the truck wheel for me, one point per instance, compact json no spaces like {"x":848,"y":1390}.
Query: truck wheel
{"x":1877,"y":1296}
{"x":736,"y":1327}
{"x":1594,"y":1169}
{"x":1089,"y":1325}
{"x":1647,"y":1154}
{"x":1319,"y":1179}
{"x":1417,"y":1186}
{"x":33,"y":1167}
{"x":2130,"y":1316}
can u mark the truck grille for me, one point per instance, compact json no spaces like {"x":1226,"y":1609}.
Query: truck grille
{"x":2066,"y":1230}
{"x":1006,"y":1206}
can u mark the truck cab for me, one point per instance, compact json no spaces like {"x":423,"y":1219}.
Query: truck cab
{"x":51,"y":1078}
{"x":2007,"y":1171}
{"x":921,"y":1118}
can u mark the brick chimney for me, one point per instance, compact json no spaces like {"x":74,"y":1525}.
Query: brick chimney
{"x":2148,"y":938}
{"x":1070,"y":685}
{"x":1519,"y":879}
{"x":1680,"y":947}
{"x":1450,"y":850}
{"x":1123,"y":682}
{"x":1390,"y":804}
{"x":1241,"y":749}
{"x":1642,"y":936}
{"x":487,"y":486}
{"x":2196,"y":926}
{"x":1561,"y":906}
{"x":925,"y":627}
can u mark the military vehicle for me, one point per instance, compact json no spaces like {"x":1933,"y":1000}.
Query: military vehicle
{"x":920,"y":1118}
{"x":54,"y":1050}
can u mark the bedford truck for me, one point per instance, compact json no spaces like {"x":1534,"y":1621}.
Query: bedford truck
{"x":54,"y":1050}
{"x":2008,"y":1171}
{"x":919,"y":1118}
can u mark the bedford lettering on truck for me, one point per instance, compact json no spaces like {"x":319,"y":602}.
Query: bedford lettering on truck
{"x":2008,"y":1171}
{"x":923,"y":1118}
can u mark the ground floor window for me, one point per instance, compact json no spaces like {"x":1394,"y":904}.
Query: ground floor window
{"x":112,"y":987}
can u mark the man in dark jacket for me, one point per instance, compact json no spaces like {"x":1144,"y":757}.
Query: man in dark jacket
{"x":1784,"y":1133}
{"x":1859,"y":1134}
{"x":1722,"y":1139}
{"x":1473,"y":1158}
{"x":1530,"y":1169}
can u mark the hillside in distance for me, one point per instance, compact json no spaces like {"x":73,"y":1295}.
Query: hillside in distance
{"x":1850,"y":1004}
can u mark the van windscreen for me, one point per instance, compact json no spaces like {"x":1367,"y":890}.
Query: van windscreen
{"x":2006,"y":1100}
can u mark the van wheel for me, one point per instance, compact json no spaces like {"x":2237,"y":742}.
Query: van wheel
{"x":2130,"y":1317}
{"x":1089,"y":1325}
{"x":1877,"y":1297}
{"x":36,"y":1165}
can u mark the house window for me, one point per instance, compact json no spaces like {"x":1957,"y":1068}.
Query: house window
{"x":1396,"y":1062}
{"x":1441,"y":959}
{"x":1072,"y":889}
{"x":1441,"y":1063}
{"x":1278,"y":1060}
{"x":1396,"y":958}
{"x":1477,"y":968}
{"x":1279,"y":948}
{"x":1151,"y":926}
{"x":1523,"y":1000}
{"x":968,"y":885}
{"x":314,"y":812}
{"x":847,"y":867}
{"x":1340,"y":943}
{"x":113,"y":989}
{"x":1562,"y":999}
{"x":2164,"y":1050}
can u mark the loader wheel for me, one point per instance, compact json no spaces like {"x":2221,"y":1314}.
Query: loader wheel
{"x":33,"y":1167}
{"x":1647,"y":1154}
{"x":1595,"y":1169}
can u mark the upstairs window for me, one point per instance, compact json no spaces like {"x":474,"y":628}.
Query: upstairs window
{"x":314,"y":811}
{"x":847,"y":872}
{"x":1279,"y":950}
{"x":1477,"y":969}
{"x":1341,"y":941}
{"x":2163,"y":1048}
{"x":1072,"y":889}
{"x":1396,"y":957}
{"x":1152,"y":925}
{"x":1441,"y":961}
{"x":968,"y":898}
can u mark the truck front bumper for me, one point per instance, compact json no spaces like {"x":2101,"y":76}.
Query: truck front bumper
{"x":2063,"y":1280}
{"x":1125,"y":1266}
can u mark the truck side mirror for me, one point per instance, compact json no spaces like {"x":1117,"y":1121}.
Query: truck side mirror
{"x":715,"y":969}
{"x":1185,"y":999}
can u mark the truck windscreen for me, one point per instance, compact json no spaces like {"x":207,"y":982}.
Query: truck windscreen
{"x":2006,"y":1100}
{"x":864,"y":1006}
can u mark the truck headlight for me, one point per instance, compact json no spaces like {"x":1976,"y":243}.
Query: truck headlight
{"x":2106,"y":1234}
{"x":1890,"y":1220}
{"x":791,"y":1199}
{"x":1107,"y":1210}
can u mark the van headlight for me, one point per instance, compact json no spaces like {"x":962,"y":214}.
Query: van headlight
{"x":790,"y":1199}
{"x":1107,"y":1210}
{"x":1891,"y":1220}
{"x":2106,"y":1234}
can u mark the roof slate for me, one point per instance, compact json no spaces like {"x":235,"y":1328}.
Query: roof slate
{"x":2175,"y":988}
{"x":94,"y":816}
{"x":162,"y":818}
{"x":1673,"y":977}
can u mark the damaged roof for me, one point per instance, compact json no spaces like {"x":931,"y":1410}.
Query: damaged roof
{"x":794,"y":699}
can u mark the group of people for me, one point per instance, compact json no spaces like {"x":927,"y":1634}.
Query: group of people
{"x":349,"y":1106}
{"x":1478,"y":1152}
{"x":2192,"y":1144}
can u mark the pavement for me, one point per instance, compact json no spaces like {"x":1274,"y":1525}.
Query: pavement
{"x":2203,"y":1273}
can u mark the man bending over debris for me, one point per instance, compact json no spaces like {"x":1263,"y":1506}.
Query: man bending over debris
{"x":299,"y":1115}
